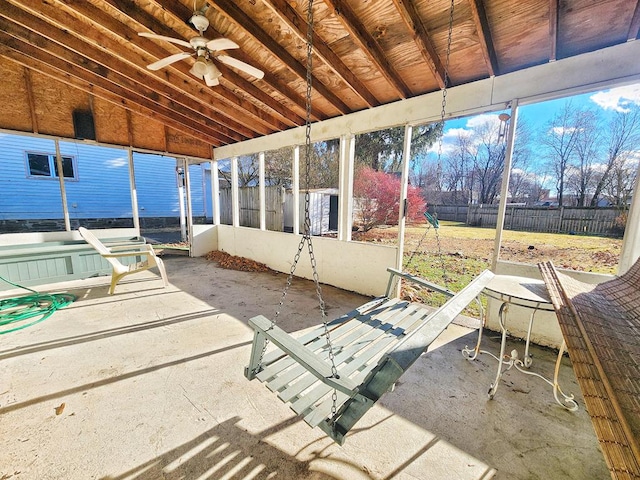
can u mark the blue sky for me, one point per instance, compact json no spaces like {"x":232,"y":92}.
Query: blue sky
{"x":606,"y":102}
{"x":538,"y":114}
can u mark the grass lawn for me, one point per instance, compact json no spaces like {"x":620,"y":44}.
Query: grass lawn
{"x":459,"y":252}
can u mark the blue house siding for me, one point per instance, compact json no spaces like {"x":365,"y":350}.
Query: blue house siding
{"x":100,"y":188}
{"x":22,"y":197}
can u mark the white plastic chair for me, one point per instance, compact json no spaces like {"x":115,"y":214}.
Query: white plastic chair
{"x":113,"y":254}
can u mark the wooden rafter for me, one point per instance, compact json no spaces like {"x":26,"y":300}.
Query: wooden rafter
{"x":227,"y":108}
{"x":230,"y":78}
{"x":69,"y":74}
{"x":66,"y":46}
{"x":553,"y":30}
{"x":368,"y":44}
{"x":221,"y":98}
{"x":414,"y":23}
{"x":634,"y":27}
{"x":231,"y":10}
{"x":299,"y":26}
{"x":484,"y":36}
{"x":17,"y":42}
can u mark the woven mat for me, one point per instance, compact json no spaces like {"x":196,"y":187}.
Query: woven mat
{"x":601,"y":327}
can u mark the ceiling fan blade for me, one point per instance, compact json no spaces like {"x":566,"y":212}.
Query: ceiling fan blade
{"x":240,"y":65}
{"x":221,"y":44}
{"x":168,"y":61}
{"x":184,"y":43}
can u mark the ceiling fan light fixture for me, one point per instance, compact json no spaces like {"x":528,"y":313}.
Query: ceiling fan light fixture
{"x":199,"y":68}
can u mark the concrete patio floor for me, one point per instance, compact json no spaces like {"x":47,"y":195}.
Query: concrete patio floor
{"x":148,"y":384}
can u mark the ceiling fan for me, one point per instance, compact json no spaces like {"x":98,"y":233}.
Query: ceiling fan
{"x":205,"y":51}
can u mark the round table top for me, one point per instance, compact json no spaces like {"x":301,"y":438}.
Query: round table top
{"x":523,"y":291}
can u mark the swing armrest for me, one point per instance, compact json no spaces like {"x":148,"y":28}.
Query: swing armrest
{"x":318,"y":367}
{"x":417,"y":280}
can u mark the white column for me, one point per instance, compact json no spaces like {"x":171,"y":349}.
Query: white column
{"x":63,"y":192}
{"x":262,"y":193}
{"x":404,"y":187}
{"x":215,"y":192}
{"x":631,"y":242}
{"x":235,"y":194}
{"x":504,"y":192}
{"x":345,"y":220}
{"x":187,"y":179}
{"x":133,"y":193}
{"x":296,"y":190}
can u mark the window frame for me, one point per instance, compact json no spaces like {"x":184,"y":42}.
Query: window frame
{"x":52,"y":166}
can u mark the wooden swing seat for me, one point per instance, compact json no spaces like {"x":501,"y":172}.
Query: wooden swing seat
{"x":373,"y":346}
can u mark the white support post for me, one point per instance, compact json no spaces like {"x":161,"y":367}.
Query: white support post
{"x":404,"y":187}
{"x":345,"y":196}
{"x":133,"y":192}
{"x":296,"y":190}
{"x":631,"y":242}
{"x":235,"y":194}
{"x":262,"y":192}
{"x":180,"y":177}
{"x":215,"y":192}
{"x":187,"y":180}
{"x":504,"y":192}
{"x":63,"y":192}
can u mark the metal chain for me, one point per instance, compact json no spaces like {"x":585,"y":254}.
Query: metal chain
{"x":443,"y":113}
{"x":306,"y":236}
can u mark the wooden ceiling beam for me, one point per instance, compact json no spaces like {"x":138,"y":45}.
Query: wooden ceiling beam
{"x":418,"y":31}
{"x":43,"y":50}
{"x":222,"y":98}
{"x":192,"y":95}
{"x":299,"y":26}
{"x":231,"y":10}
{"x":553,"y":30}
{"x":66,"y":45}
{"x":368,"y":44}
{"x":484,"y":36}
{"x":182,"y":13}
{"x":67,"y":73}
{"x":634,"y":26}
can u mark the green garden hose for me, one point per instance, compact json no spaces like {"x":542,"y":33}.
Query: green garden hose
{"x":21,"y":312}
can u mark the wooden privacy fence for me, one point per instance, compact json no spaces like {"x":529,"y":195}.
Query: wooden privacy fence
{"x":579,"y":220}
{"x":249,"y":200}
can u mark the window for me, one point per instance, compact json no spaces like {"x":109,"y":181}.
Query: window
{"x":42,"y":165}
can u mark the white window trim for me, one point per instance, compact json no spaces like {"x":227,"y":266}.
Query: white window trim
{"x":52,"y":165}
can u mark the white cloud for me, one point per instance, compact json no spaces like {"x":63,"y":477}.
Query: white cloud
{"x":560,"y":130}
{"x":617,"y":99}
{"x":483,"y":119}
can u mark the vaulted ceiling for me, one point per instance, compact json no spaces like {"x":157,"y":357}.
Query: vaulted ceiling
{"x":366,"y":53}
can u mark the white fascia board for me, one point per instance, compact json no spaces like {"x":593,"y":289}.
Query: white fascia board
{"x":605,"y":68}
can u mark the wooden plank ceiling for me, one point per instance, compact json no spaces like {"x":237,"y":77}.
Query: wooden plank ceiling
{"x":58,"y":56}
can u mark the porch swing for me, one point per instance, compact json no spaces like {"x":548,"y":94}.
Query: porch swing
{"x":333,"y":373}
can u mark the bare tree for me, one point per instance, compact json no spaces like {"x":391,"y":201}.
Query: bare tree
{"x":622,"y":178}
{"x":621,"y":136}
{"x":560,"y":138}
{"x":488,"y":161}
{"x":587,"y":150}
